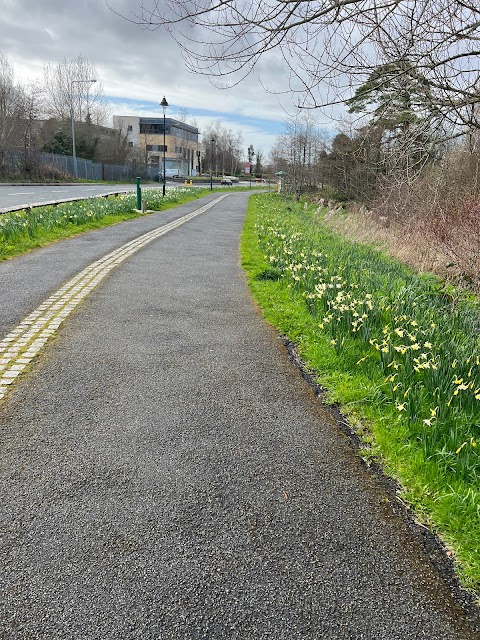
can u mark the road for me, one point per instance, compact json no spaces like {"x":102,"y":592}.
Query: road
{"x":165,"y":472}
{"x":16,"y":196}
{"x":25,"y":195}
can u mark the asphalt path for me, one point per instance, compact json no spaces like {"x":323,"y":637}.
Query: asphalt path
{"x":166,"y":473}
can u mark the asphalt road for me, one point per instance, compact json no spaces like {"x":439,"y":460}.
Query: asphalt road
{"x":16,"y":196}
{"x":165,"y":473}
{"x":12,"y":196}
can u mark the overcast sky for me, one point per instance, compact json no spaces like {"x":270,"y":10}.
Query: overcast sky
{"x":137,"y":67}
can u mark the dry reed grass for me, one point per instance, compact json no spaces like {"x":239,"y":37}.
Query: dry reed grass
{"x":446,"y":242}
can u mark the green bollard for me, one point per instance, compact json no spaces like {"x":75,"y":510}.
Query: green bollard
{"x":139,"y":195}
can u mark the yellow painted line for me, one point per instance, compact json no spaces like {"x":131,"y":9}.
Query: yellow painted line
{"x":21,"y":345}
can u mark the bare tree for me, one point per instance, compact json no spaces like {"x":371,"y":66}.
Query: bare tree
{"x":298,"y":152}
{"x":227,"y":155}
{"x":19,"y":109}
{"x":183,"y":115}
{"x":68,"y":86}
{"x":331,"y":46}
{"x":13,"y":106}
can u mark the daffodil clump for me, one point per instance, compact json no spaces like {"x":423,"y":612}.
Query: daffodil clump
{"x":393,"y":325}
{"x":14,"y":227}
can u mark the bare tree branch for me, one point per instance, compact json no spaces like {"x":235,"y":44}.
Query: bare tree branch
{"x":331,"y":46}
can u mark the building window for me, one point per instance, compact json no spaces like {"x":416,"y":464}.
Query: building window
{"x":153,"y":128}
{"x":130,"y":144}
{"x":155,"y":147}
{"x":130,"y":128}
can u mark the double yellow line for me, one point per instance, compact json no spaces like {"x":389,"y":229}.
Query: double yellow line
{"x":22,"y":344}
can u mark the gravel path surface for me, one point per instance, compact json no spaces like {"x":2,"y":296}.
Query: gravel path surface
{"x":165,"y":473}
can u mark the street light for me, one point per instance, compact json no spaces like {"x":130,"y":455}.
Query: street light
{"x":75,"y":167}
{"x":164,"y":105}
{"x":251,"y":154}
{"x":211,"y":164}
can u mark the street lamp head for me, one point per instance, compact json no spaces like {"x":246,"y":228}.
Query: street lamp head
{"x":164,"y":104}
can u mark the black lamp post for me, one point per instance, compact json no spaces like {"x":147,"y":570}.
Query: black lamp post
{"x":164,"y":105}
{"x":211,"y":165}
{"x":251,"y":154}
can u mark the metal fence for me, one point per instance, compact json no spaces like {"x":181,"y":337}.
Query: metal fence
{"x":24,"y":162}
{"x":90,"y":170}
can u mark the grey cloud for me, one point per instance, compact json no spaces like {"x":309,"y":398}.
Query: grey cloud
{"x":132,"y":62}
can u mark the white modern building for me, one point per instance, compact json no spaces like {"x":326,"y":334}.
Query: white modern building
{"x":182,"y":148}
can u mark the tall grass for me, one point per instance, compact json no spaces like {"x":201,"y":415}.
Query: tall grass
{"x":392,"y":349}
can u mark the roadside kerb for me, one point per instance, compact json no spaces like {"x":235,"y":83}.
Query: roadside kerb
{"x":50,"y":203}
{"x":22,"y":344}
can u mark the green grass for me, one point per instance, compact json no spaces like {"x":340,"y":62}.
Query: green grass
{"x":23,"y":231}
{"x":403,"y":363}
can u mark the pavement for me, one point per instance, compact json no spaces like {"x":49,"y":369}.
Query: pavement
{"x":166,"y":473}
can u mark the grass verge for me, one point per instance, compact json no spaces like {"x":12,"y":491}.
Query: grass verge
{"x":22,"y":231}
{"x":391,"y":349}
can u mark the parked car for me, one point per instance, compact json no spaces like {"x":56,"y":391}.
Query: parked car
{"x":227,"y":181}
